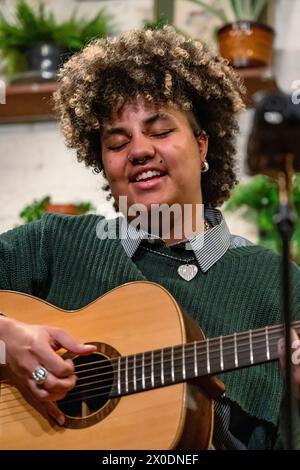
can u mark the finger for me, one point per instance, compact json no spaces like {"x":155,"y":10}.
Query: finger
{"x":53,"y":410}
{"x":294,"y":336}
{"x":59,"y":386}
{"x":53,"y":362}
{"x":43,"y":395}
{"x":66,"y":341}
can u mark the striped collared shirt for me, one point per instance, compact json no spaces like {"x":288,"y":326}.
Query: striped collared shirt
{"x":208,"y":247}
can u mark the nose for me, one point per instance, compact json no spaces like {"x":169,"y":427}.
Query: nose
{"x":141,"y":149}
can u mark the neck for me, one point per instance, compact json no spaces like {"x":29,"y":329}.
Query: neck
{"x":171,"y":223}
{"x":191,"y":222}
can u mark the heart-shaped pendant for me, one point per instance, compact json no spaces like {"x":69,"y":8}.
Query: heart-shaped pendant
{"x":187,"y":271}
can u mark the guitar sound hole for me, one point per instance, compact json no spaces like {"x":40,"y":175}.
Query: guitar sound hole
{"x":94,"y":382}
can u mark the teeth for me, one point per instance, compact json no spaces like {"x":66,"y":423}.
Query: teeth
{"x":147,"y":174}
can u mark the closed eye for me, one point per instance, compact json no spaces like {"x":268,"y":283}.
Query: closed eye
{"x":162,"y":134}
{"x":118,"y":147}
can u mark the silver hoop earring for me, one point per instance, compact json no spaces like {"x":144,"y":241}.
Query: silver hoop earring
{"x":205,"y":167}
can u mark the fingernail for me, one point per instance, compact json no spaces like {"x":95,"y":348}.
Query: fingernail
{"x":61,"y":420}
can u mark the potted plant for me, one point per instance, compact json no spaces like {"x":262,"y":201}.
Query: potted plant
{"x":243,"y":38}
{"x":258,"y":202}
{"x":158,"y":24}
{"x":35,"y":41}
{"x":37,"y":208}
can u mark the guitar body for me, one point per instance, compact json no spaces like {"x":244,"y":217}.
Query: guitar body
{"x":136,"y":317}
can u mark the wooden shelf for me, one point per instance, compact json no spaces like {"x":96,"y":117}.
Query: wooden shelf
{"x":28,"y":103}
{"x":32,"y":102}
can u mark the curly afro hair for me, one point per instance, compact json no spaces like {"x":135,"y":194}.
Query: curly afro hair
{"x":163,"y":68}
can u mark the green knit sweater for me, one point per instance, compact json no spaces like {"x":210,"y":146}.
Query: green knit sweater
{"x":61,"y":260}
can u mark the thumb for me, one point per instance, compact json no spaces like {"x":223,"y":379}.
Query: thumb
{"x":66,"y":341}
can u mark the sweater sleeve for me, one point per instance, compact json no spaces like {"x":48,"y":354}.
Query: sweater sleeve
{"x":282,"y":439}
{"x":24,"y":259}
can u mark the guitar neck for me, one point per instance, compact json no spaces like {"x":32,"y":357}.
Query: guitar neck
{"x":162,"y":367}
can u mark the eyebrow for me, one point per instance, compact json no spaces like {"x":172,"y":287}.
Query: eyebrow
{"x":150,"y":120}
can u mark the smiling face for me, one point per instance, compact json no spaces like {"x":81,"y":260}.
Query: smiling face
{"x":152,"y":156}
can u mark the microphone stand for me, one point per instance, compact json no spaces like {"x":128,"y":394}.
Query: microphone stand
{"x":285,"y":224}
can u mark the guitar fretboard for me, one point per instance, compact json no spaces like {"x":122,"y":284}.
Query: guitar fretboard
{"x":167,"y":366}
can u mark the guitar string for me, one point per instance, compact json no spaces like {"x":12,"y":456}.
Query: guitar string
{"x":201,"y":350}
{"x":108,"y":387}
{"x":273,"y":329}
{"x":213,"y":356}
{"x":189,"y":368}
{"x":201,"y":344}
{"x":146,"y":377}
{"x":97,"y":395}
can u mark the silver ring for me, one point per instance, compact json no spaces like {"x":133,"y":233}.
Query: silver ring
{"x":40,"y":375}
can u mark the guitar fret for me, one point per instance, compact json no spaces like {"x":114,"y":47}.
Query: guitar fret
{"x":236,"y":360}
{"x":267,"y":344}
{"x":126,"y":374}
{"x":207,"y":356}
{"x":143,"y":371}
{"x":134,"y":373}
{"x":172,"y":365}
{"x":119,"y":375}
{"x":195,"y":359}
{"x":152,"y":369}
{"x":251,"y":347}
{"x":162,"y":376}
{"x":221,"y":353}
{"x":183,"y":363}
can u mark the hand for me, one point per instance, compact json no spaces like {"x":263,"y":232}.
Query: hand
{"x":295,"y":346}
{"x":29,"y":347}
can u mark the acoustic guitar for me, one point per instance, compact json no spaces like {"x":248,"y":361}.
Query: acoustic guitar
{"x":149,"y":385}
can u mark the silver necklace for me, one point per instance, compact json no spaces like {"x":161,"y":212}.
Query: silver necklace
{"x":187,"y":271}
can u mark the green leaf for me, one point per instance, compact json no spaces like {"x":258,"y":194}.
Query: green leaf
{"x":258,"y":202}
{"x":258,"y":7}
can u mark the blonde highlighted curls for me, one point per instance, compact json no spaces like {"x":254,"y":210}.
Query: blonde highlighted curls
{"x":164,"y":68}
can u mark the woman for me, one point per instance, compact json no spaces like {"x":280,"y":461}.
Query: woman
{"x":156,"y":112}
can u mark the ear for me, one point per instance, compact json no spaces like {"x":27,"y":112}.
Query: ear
{"x":202,"y":141}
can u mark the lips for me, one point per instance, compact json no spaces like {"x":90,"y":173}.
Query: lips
{"x":146,"y":174}
{"x":149,"y":182}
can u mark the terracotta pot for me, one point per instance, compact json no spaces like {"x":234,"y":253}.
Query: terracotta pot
{"x":70,"y":209}
{"x":246,"y":43}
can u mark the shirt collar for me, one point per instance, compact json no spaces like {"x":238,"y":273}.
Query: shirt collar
{"x":208,"y":247}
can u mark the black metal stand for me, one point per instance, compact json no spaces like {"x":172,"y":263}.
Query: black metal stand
{"x":285,"y":225}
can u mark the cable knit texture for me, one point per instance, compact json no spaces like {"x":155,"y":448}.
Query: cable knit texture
{"x":61,"y":260}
